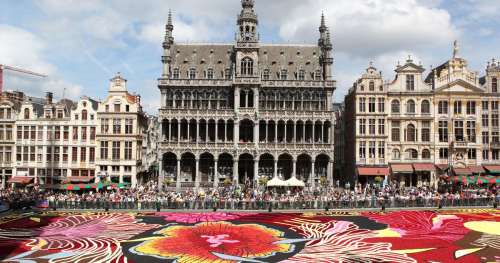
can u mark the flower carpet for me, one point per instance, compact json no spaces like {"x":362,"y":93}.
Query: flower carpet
{"x":468,"y":235}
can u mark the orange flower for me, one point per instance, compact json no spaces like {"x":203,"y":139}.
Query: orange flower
{"x":206,"y":241}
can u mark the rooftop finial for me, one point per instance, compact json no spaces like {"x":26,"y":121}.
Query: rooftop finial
{"x":323,"y":24}
{"x":247,"y":3}
{"x":456,"y":48}
{"x":169,"y":22}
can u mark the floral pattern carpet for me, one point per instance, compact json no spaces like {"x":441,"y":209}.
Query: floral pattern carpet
{"x":469,"y":235}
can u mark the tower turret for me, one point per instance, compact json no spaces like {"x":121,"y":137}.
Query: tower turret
{"x":167,"y":45}
{"x":325,"y":43}
{"x":247,"y":23}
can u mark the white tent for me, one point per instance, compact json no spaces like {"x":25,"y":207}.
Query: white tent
{"x":276,"y":182}
{"x":294,"y":182}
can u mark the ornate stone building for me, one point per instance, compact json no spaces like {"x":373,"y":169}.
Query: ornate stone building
{"x":55,"y":141}
{"x":240,"y":111}
{"x":414,"y":130}
{"x":121,"y":126}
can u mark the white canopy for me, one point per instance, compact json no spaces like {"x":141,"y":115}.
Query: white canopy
{"x":276,"y":182}
{"x":294,"y":182}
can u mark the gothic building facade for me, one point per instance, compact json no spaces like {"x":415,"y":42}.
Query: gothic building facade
{"x":238,"y":112}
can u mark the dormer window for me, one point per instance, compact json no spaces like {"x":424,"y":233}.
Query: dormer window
{"x":192,"y":73}
{"x":410,"y":82}
{"x":117,"y":108}
{"x":247,"y":67}
{"x":176,"y":74}
{"x":317,"y":75}
{"x":227,"y":73}
{"x":494,"y":85}
{"x":371,"y":86}
{"x":60,"y":114}
{"x":283,"y":74}
{"x":266,"y":74}
{"x":302,"y":74}
{"x":107,"y":108}
{"x":210,"y":73}
{"x":26,"y":113}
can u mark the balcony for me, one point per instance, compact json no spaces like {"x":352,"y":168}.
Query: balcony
{"x":460,"y":144}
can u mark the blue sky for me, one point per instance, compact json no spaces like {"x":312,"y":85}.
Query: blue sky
{"x":81,"y":44}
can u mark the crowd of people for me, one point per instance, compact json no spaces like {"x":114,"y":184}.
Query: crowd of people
{"x":246,"y":197}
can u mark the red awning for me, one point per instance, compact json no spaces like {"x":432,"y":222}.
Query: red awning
{"x":424,"y":167}
{"x":442,"y":166}
{"x":79,"y":178}
{"x":477,"y":169}
{"x":20,"y":179}
{"x":402,"y":168}
{"x":462,"y":171}
{"x":492,"y":168}
{"x":373,"y":171}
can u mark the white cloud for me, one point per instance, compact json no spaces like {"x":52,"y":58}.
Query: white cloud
{"x":372,"y":27}
{"x":23,"y":49}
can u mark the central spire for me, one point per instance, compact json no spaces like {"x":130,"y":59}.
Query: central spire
{"x":247,"y":22}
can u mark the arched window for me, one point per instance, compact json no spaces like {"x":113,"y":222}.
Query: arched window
{"x":84,"y":115}
{"x":247,"y":67}
{"x":176,"y":73}
{"x":266,"y":74}
{"x":283,"y":74}
{"x":426,"y":154}
{"x":494,"y":85}
{"x":192,"y":73}
{"x":396,"y":155}
{"x":302,"y":74}
{"x":26,"y":113}
{"x":317,"y":75}
{"x":395,"y":106}
{"x":210,"y":73}
{"x":426,"y":107}
{"x":411,"y":154}
{"x":371,"y":86}
{"x":410,"y":107}
{"x":411,"y":135}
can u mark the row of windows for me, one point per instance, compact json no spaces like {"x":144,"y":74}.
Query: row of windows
{"x":371,"y":87}
{"x":55,"y":154}
{"x":372,"y":103}
{"x":116,"y":150}
{"x":372,"y":149}
{"x":116,"y":126}
{"x":410,"y":132}
{"x":425,"y":107}
{"x":371,"y":126}
{"x":117,"y":107}
{"x":247,"y":69}
{"x":411,"y":154}
{"x":54,"y":133}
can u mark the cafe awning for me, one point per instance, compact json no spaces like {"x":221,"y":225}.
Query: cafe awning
{"x":294,"y":182}
{"x":478,"y":169}
{"x":20,"y":180}
{"x":275,"y":182}
{"x":493,"y":169}
{"x":488,"y":179}
{"x":424,"y":167}
{"x":462,"y":171}
{"x":402,"y":168}
{"x":83,"y":179}
{"x":373,"y":171}
{"x":464,"y":179}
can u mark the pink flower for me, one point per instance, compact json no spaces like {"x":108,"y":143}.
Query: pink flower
{"x":191,"y":218}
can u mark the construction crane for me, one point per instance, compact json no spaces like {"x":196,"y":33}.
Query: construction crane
{"x":23,"y":71}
